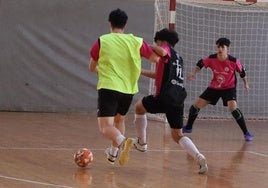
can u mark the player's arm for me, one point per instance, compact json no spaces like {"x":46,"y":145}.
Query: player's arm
{"x":93,"y":65}
{"x":198,"y":67}
{"x":148,"y":73}
{"x":159,"y":50}
{"x":153,"y":57}
{"x":147,"y":52}
{"x":94,"y":53}
{"x":244,"y":78}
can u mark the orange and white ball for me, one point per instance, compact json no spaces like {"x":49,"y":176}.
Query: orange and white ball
{"x":83,"y":157}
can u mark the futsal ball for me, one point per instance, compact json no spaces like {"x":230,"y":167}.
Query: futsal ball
{"x":83,"y":157}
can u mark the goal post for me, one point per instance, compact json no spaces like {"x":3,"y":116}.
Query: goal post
{"x":172,"y":14}
{"x":199,"y":24}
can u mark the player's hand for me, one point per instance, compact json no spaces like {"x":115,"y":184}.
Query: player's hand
{"x":246,"y":87}
{"x":191,"y":76}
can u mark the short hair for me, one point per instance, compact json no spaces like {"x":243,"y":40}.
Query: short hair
{"x":118,"y":18}
{"x":167,"y":35}
{"x":223,"y":41}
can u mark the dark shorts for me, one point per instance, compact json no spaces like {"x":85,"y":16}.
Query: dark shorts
{"x":174,"y":114}
{"x":213,"y":95}
{"x":112,"y":102}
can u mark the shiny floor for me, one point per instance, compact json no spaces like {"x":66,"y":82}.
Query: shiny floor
{"x":36,"y":151}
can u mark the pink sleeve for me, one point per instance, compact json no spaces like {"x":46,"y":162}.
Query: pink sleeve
{"x":167,"y":49}
{"x":166,"y":57}
{"x":146,"y":50}
{"x":94,"y":52}
{"x":238,"y":66}
{"x":206,"y":62}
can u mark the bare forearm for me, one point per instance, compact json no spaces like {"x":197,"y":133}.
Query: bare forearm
{"x":148,"y":73}
{"x":93,"y":66}
{"x":191,"y":76}
{"x":154,"y":58}
{"x":159,"y":50}
{"x":245,"y":80}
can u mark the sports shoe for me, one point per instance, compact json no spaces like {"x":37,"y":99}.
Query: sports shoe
{"x":248,"y":137}
{"x":185,"y":130}
{"x":111,"y":159}
{"x":203,"y":164}
{"x":124,"y":154}
{"x":140,"y":147}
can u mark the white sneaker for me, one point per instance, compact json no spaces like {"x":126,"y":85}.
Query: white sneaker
{"x":203,"y":164}
{"x":124,"y":154}
{"x":140,"y":147}
{"x":111,"y":159}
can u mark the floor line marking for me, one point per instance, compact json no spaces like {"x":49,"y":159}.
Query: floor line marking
{"x":34,"y":182}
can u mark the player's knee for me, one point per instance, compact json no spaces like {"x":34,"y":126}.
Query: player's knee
{"x":139,"y":108}
{"x":119,"y":119}
{"x":237,"y":114}
{"x":140,"y":111}
{"x":176,"y":135}
{"x":104,"y":130}
{"x":193,"y":110}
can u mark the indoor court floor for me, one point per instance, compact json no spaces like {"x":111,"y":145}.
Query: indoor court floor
{"x":36,"y":151}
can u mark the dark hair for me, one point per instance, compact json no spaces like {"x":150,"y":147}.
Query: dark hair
{"x":223,"y":41}
{"x":167,"y":35}
{"x":118,"y":18}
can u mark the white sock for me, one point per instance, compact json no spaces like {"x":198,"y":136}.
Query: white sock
{"x":113,"y":150}
{"x":140,"y":122}
{"x":120,"y":139}
{"x":187,"y":144}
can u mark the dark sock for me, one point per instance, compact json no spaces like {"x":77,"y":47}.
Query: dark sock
{"x":237,"y":114}
{"x":193,"y":113}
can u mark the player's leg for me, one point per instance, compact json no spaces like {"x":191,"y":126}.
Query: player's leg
{"x":113,"y":104}
{"x":209,"y":96}
{"x":192,"y":150}
{"x":107,"y":128}
{"x":238,"y":116}
{"x":112,"y":152}
{"x":193,"y":113}
{"x":175,"y":120}
{"x":151,"y":105}
{"x":124,"y":102}
{"x":119,"y":123}
{"x":140,"y":122}
{"x":107,"y":107}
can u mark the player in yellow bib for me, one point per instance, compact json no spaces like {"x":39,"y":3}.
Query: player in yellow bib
{"x":116,"y":58}
{"x":119,"y":62}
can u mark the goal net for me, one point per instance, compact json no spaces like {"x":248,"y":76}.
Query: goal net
{"x":199,"y":24}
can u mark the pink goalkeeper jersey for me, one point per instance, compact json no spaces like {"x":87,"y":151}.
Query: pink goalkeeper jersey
{"x":223,"y":72}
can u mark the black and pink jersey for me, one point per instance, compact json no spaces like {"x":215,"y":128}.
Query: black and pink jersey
{"x":224,"y":76}
{"x":159,"y":70}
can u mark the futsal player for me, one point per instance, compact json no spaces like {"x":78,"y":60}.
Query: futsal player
{"x":166,"y":40}
{"x":116,"y":58}
{"x":223,"y":85}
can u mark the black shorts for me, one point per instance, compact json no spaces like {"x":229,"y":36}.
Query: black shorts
{"x":213,"y":95}
{"x":174,"y":114}
{"x":112,"y":102}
